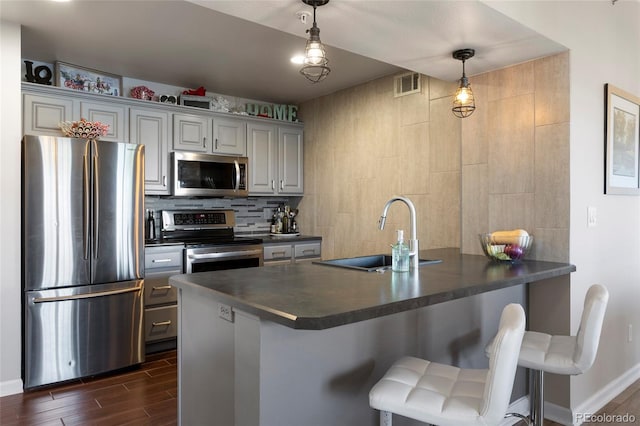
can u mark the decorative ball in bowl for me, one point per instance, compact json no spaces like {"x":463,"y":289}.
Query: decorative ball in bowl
{"x":506,"y":246}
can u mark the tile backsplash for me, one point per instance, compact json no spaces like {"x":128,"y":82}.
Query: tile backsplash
{"x":253,"y":214}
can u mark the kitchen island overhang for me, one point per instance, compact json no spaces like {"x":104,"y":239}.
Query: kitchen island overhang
{"x":315,"y":297}
{"x":308,"y":341}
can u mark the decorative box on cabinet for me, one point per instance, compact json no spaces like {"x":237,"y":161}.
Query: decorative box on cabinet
{"x":151,"y":128}
{"x":160,"y":298}
{"x":275,"y":159}
{"x":278,"y":253}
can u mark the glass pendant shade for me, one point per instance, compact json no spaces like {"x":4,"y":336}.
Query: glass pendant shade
{"x":463,"y":102}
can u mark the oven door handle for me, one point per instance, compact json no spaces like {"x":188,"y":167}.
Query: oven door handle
{"x":224,"y":254}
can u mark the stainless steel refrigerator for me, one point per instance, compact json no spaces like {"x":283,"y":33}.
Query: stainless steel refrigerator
{"x":82,"y":257}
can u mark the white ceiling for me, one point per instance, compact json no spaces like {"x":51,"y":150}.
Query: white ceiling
{"x":219,"y":44}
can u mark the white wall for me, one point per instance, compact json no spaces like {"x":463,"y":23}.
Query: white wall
{"x":604,"y":43}
{"x":10,"y":133}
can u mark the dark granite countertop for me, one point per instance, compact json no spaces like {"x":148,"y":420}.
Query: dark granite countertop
{"x":315,"y":297}
{"x":284,"y":238}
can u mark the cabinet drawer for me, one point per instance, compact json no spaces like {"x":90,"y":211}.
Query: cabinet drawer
{"x":307,"y":250}
{"x":157,"y":290}
{"x":160,"y":323}
{"x":277,"y":252}
{"x":157,"y":258}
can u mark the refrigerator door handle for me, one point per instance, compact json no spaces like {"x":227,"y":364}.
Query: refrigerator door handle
{"x":86,"y":295}
{"x":96,"y":203}
{"x":85,"y":206}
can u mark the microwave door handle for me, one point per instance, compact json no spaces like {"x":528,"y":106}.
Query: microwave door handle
{"x":237,"y":175}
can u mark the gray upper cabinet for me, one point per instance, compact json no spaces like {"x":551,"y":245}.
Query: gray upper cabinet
{"x":229,"y":136}
{"x":192,"y":133}
{"x":290,"y":160}
{"x":275,"y":159}
{"x":263,"y":161}
{"x":151,"y":128}
{"x":41,"y":114}
{"x":107,"y":113}
{"x":218,"y":135}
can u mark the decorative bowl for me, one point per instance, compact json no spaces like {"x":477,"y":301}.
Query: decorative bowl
{"x":84,"y":129}
{"x":517,"y":250}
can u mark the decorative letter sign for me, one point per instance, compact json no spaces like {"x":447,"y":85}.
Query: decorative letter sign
{"x":277,"y":112}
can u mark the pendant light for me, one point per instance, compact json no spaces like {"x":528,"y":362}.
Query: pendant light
{"x":463,"y":102}
{"x":314,"y":65}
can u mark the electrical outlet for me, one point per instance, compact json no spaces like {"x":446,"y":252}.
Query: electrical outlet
{"x":630,"y":337}
{"x":592,"y":218}
{"x":225,"y":312}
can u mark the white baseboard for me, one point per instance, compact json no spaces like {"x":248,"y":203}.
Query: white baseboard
{"x":520,"y":406}
{"x":10,"y":387}
{"x":614,"y":388}
{"x":558,"y":414}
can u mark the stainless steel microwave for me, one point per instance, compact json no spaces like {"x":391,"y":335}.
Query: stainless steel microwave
{"x":206,"y":175}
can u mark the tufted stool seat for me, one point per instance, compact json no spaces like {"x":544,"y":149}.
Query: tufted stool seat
{"x":446,"y":395}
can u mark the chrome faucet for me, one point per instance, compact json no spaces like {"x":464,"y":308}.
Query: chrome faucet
{"x":413,"y":244}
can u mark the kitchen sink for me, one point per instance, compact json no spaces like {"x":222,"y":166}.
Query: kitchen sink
{"x":373,"y":263}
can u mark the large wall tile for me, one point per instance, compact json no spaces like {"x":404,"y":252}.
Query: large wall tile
{"x":552,"y":89}
{"x":442,"y":211}
{"x":475,"y":202}
{"x":511,"y":211}
{"x":512,"y":81}
{"x":552,"y":176}
{"x":475,"y":128}
{"x":414,"y":162}
{"x":511,"y":148}
{"x":444,"y":137}
{"x":442,"y":89}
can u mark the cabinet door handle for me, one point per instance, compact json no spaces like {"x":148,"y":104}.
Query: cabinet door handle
{"x":282,"y":185}
{"x":161,"y":287}
{"x":273,"y":184}
{"x":216,"y":143}
{"x":160,"y":260}
{"x":279,"y":253}
{"x":307,"y":251}
{"x":164,"y":181}
{"x":161,"y":323}
{"x":204,"y":142}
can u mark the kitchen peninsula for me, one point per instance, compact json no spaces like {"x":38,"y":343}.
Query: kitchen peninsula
{"x":302,"y":344}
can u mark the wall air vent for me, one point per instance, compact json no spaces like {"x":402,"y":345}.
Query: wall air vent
{"x":406,"y":84}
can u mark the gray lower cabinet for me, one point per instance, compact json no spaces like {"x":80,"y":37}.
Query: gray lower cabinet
{"x":280,"y":253}
{"x":160,"y":298}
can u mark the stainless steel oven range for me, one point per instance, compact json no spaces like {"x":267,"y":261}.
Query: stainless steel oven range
{"x":210,"y":243}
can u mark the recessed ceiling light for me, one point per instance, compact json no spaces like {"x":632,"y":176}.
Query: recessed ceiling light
{"x":298,"y":59}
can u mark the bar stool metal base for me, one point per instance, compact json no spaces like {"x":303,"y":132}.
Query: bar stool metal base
{"x":537,"y":397}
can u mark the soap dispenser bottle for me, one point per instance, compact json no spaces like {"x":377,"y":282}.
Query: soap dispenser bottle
{"x":400,"y":254}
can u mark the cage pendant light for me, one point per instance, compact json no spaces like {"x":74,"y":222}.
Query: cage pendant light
{"x":314,"y":65}
{"x":463,"y":101}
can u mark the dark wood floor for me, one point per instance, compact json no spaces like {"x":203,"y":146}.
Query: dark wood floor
{"x":143,"y":396}
{"x":148,"y":396}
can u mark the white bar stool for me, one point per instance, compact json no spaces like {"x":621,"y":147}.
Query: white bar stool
{"x":446,"y":395}
{"x":568,"y":355}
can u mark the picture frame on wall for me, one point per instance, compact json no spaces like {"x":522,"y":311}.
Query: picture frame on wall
{"x":622,"y":142}
{"x":87,"y":80}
